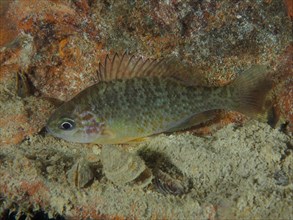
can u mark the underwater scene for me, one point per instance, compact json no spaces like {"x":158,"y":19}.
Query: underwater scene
{"x":166,"y":109}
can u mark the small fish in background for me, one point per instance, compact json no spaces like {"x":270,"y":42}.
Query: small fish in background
{"x":136,"y":98}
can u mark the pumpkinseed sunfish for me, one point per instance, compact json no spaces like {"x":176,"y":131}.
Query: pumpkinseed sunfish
{"x":136,"y":98}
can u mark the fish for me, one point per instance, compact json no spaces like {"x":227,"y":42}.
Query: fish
{"x":136,"y":98}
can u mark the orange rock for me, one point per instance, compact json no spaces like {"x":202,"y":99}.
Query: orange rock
{"x":289,"y":4}
{"x":7,"y":28}
{"x":16,"y":128}
{"x":20,"y":118}
{"x":33,"y":188}
{"x":90,"y":212}
{"x":283,"y":91}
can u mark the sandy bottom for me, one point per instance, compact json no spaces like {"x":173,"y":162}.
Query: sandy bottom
{"x":239,"y":172}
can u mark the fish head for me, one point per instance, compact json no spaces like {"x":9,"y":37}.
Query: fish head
{"x":74,"y":124}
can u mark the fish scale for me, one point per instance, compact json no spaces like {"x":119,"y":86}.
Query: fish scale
{"x":157,"y":110}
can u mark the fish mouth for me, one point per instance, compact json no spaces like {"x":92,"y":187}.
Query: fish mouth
{"x":48,"y":130}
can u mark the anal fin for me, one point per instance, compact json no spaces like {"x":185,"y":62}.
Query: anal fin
{"x":194,"y":120}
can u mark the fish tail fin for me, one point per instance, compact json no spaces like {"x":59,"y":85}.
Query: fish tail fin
{"x":250,"y":90}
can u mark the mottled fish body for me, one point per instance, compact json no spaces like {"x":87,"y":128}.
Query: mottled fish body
{"x":136,"y":98}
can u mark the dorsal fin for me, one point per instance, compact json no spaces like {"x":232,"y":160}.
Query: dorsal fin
{"x":127,"y":66}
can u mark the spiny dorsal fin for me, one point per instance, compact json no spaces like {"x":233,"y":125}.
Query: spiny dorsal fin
{"x":127,"y":66}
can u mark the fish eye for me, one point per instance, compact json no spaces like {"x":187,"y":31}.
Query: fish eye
{"x":67,"y":125}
